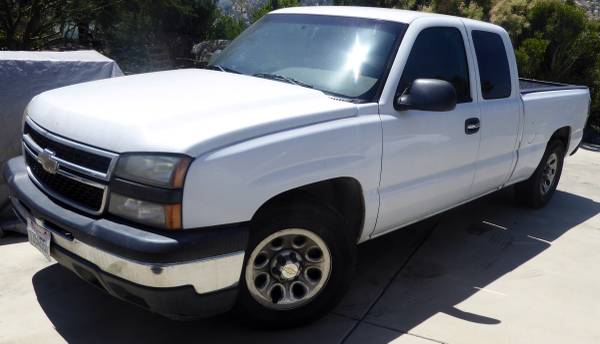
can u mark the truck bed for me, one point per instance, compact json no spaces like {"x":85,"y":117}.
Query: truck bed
{"x":532,"y":86}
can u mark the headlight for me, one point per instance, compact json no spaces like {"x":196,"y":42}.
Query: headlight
{"x":166,"y":171}
{"x":147,"y":188}
{"x":167,"y":216}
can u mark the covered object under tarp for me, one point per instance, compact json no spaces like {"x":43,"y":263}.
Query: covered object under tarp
{"x":24,"y":74}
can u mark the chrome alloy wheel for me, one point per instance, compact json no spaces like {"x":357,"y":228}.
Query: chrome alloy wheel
{"x":549,"y":173}
{"x":288,"y":269}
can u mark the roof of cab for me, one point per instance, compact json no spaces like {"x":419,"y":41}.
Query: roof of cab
{"x":389,"y":14}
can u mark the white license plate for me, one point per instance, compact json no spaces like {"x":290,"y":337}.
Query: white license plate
{"x":39,"y":237}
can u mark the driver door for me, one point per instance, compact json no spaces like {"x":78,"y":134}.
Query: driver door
{"x":428,"y":160}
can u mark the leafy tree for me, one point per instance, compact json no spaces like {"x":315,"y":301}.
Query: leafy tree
{"x":244,"y":9}
{"x":89,"y":18}
{"x":468,"y":9}
{"x":512,"y":15}
{"x":559,"y":42}
{"x":37,"y":24}
{"x":226,"y":26}
{"x":127,"y":30}
{"x":530,"y":55}
{"x":157,"y":26}
{"x":272,"y":5}
{"x":30,"y":24}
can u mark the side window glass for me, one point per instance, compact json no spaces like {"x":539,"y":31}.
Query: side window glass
{"x":439,"y":53}
{"x":493,"y":65}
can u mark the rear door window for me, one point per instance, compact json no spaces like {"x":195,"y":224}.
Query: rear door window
{"x":494,"y":71}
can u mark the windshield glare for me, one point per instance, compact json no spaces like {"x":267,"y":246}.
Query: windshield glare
{"x":342,"y":56}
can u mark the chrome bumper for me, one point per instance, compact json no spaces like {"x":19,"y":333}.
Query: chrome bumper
{"x":205,"y":275}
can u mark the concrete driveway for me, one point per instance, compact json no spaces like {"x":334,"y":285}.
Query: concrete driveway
{"x":487,"y":272}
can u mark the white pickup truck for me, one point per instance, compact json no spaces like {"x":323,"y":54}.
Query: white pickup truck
{"x":250,"y":184}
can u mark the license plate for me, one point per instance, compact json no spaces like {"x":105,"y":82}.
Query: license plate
{"x":39,"y":237}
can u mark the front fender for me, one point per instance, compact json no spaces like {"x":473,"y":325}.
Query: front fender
{"x":230,"y":184}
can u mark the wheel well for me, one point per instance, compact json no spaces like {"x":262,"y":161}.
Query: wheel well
{"x":563,"y":135}
{"x":343,"y":195}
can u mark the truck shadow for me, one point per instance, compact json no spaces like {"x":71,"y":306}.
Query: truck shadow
{"x":12,"y":238}
{"x":591,"y":147}
{"x":402,"y":280}
{"x":471,"y":247}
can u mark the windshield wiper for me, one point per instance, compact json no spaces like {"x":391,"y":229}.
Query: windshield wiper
{"x":283,"y":78}
{"x":222,"y":68}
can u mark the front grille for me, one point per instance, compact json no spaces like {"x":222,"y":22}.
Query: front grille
{"x":74,"y":155}
{"x":72,"y":173}
{"x":86,"y":195}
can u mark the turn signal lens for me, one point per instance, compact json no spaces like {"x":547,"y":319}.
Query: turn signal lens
{"x":167,"y":216}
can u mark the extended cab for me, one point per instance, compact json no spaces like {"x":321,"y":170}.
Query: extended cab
{"x":250,"y":184}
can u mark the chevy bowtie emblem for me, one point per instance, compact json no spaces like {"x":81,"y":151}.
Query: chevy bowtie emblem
{"x":46,"y":159}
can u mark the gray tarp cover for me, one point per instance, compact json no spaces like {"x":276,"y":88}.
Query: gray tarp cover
{"x":24,"y":74}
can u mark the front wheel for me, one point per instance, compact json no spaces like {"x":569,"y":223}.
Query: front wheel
{"x":298,"y":265}
{"x":536,"y":191}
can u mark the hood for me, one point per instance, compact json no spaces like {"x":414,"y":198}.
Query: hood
{"x":184,"y":111}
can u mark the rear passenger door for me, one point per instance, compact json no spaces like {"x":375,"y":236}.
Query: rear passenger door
{"x":500,"y":109}
{"x":428,"y":160}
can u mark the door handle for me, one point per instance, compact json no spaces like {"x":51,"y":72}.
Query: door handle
{"x":472,"y":126}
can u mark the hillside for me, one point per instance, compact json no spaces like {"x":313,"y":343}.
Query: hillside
{"x":592,"y":6}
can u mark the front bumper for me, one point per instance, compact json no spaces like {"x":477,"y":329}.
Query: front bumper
{"x":178,"y":274}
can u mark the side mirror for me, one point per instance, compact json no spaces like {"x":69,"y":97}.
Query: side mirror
{"x":427,"y":95}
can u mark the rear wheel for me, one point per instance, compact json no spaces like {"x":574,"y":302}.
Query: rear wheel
{"x":297,"y":267}
{"x":536,"y":191}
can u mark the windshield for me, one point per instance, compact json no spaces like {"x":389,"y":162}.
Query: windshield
{"x":342,"y":56}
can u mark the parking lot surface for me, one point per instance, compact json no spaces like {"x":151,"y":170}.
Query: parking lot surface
{"x":486,"y":272}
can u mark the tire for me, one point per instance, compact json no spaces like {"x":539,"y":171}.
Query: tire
{"x":536,"y":191}
{"x":303,"y":296}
